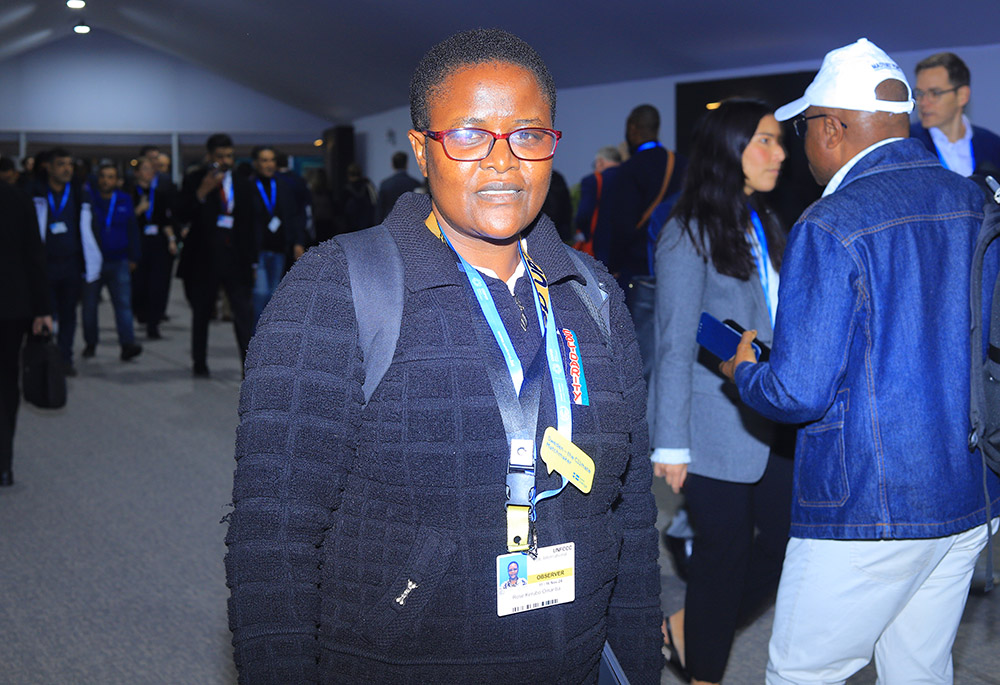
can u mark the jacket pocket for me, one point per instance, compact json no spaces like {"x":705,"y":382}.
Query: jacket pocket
{"x":821,"y":472}
{"x":399,"y":608}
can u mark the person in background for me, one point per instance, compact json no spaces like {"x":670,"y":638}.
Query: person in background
{"x":72,"y":254}
{"x":301,"y":193}
{"x":23,"y":307}
{"x":219,"y":248}
{"x":591,"y":190}
{"x":720,"y":253}
{"x":366,"y":537}
{"x":558,"y":206}
{"x":153,"y":199}
{"x":871,"y":360}
{"x":944,"y":88}
{"x":359,"y":200}
{"x":118,"y":237}
{"x":278,"y":224}
{"x":8,"y":171}
{"x":392,"y":187}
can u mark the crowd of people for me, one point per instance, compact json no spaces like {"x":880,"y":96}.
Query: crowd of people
{"x":391,"y":522}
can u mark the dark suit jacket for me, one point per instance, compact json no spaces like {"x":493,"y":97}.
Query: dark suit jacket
{"x":291,"y":213}
{"x":24,"y":289}
{"x":202,"y":249}
{"x":390,"y":190}
{"x":985,"y":146}
{"x":617,"y":242}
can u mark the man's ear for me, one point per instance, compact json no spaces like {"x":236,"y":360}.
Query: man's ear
{"x":963,"y":94}
{"x":418,"y":141}
{"x":833,"y":131}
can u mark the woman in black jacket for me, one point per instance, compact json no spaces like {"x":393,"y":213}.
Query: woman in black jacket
{"x":379,"y":541}
{"x":24,"y":305}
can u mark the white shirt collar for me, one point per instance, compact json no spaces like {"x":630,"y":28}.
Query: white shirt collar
{"x":842,"y":172}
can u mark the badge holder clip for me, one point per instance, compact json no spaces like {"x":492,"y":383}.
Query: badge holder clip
{"x":520,"y":491}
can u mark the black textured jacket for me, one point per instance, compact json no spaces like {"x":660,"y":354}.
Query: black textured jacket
{"x":338,"y":505}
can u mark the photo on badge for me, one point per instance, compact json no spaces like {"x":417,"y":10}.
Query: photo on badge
{"x":512,"y":571}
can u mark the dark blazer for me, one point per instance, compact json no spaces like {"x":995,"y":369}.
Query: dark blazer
{"x":617,"y":242}
{"x":24,"y":288}
{"x":291,"y":213}
{"x":391,"y":188}
{"x":202,"y":250}
{"x":985,"y":146}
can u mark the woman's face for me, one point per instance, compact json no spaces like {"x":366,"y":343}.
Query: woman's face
{"x":144,"y":171}
{"x":762,"y":157}
{"x":497,"y":197}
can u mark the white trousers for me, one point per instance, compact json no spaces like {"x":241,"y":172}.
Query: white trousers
{"x":840,"y":601}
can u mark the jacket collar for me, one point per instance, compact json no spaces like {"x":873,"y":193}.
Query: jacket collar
{"x":907,"y":153}
{"x":429,"y":263}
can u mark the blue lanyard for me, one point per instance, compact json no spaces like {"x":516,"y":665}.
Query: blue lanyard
{"x":972,"y":156}
{"x":762,"y":258}
{"x":649,"y":145}
{"x":269,"y":202}
{"x":547,"y":326}
{"x":152,"y":197}
{"x":62,"y":203}
{"x":111,"y":209}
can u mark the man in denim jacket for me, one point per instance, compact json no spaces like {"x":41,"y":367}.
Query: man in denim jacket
{"x":870,"y":355}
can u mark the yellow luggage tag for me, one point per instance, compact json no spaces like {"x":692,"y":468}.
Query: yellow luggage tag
{"x":571,"y":462}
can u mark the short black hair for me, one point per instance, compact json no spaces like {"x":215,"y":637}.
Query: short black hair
{"x":958,"y":72}
{"x":145,"y":149}
{"x":399,"y":160}
{"x":57,"y":152}
{"x":108,"y":165}
{"x":217,"y":140}
{"x":469,"y":48}
{"x":7,"y":164}
{"x":255,"y":152}
{"x":646,"y":119}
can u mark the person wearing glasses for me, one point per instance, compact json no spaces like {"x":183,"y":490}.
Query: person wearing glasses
{"x":366,"y":536}
{"x":871,"y":361}
{"x":720,"y":253}
{"x":942,"y":93}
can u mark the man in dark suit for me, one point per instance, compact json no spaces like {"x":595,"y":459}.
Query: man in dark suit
{"x":24,"y":305}
{"x":219,"y":248}
{"x":391,"y":188}
{"x":278,"y":226}
{"x":64,"y":214}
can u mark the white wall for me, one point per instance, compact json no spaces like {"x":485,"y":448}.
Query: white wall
{"x":593,"y":116}
{"x":102,"y":83}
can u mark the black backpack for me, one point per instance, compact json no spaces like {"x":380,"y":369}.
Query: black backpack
{"x":984,"y":400}
{"x":376,"y":269}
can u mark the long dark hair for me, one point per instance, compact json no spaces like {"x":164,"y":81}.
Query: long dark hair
{"x":712,"y":198}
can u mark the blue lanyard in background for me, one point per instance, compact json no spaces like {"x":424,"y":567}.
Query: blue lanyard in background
{"x":62,"y":203}
{"x":111,"y":209}
{"x":649,"y":145}
{"x":269,"y":203}
{"x":762,"y":257}
{"x":152,"y":197}
{"x":972,"y":156}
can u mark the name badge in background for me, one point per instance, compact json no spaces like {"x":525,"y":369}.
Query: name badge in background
{"x":524,"y":584}
{"x":151,"y":229}
{"x":274,"y":224}
{"x":58,"y":227}
{"x":225,"y":221}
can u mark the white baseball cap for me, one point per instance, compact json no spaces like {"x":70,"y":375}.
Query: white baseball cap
{"x":847,"y":80}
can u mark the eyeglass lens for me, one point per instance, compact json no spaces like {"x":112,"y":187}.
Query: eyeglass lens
{"x":471,"y":144}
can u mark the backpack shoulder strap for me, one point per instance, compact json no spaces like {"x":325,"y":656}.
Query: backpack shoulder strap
{"x":594,"y":296}
{"x":376,"y":272}
{"x":977,"y":400}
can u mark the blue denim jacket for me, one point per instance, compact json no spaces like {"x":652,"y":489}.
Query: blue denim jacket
{"x":871,"y":353}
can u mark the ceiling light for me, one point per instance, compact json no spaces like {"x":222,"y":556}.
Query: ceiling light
{"x":713,"y":105}
{"x":318,"y":142}
{"x":76,"y":4}
{"x":82,"y":27}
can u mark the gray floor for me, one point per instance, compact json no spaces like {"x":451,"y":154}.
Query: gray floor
{"x":111,"y":545}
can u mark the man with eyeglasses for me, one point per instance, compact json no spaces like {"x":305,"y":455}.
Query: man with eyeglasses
{"x":871,"y":358}
{"x":942,"y":94}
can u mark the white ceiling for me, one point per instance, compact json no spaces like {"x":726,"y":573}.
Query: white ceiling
{"x":342,"y":60}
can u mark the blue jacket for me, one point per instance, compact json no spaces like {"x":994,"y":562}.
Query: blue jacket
{"x":118,"y":235}
{"x":871,"y":353}
{"x":985,"y":147}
